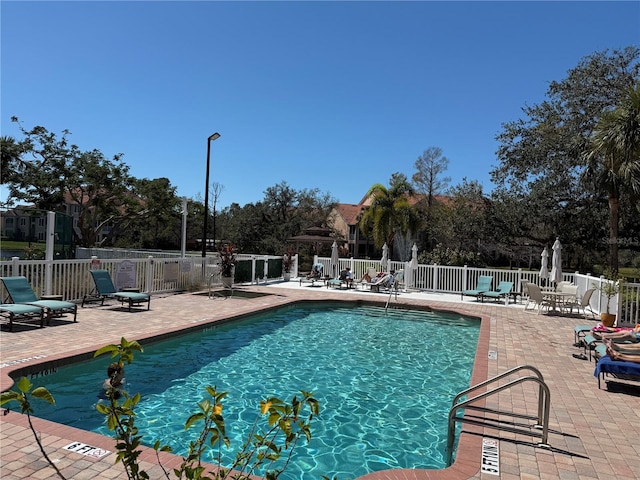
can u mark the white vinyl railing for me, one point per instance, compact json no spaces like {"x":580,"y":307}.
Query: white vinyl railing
{"x":447,"y":279}
{"x":71,"y":279}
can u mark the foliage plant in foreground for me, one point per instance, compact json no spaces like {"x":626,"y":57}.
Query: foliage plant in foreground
{"x":21,"y":395}
{"x":287,"y":423}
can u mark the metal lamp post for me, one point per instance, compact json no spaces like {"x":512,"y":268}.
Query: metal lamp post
{"x":211,"y":138}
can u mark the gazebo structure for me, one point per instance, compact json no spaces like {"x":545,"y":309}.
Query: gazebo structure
{"x":317,"y":237}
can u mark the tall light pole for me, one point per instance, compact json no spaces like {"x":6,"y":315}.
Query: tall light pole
{"x":211,"y":138}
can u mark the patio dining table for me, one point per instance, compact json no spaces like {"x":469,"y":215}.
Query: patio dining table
{"x":559,"y":299}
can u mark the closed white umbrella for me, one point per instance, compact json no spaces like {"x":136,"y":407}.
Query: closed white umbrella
{"x":384,"y":261}
{"x":334,"y":265}
{"x":544,"y":269}
{"x":556,"y":262}
{"x":412,"y":266}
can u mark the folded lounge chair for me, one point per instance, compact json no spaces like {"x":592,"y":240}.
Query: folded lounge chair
{"x":484,"y":285}
{"x":106,"y":289}
{"x":20,"y":291}
{"x":14,"y":312}
{"x":504,"y":290}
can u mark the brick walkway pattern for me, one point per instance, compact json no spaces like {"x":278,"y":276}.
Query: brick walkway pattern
{"x":595,"y":434}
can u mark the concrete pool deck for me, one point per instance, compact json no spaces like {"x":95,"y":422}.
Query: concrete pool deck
{"x":594,"y":434}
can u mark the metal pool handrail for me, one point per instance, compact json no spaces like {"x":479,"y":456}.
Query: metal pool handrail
{"x":544,"y":403}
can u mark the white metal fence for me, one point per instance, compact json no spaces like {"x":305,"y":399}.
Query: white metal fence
{"x":446,"y":279}
{"x":171,"y":273}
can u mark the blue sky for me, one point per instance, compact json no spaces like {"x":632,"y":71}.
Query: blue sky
{"x":330,"y":95}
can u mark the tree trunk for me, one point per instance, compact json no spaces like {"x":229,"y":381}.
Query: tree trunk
{"x":613,"y":233}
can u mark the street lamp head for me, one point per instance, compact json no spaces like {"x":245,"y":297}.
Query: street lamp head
{"x":215,"y":136}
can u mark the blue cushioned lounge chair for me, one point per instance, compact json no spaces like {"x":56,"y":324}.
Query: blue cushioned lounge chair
{"x":25,"y":313}
{"x":20,"y":291}
{"x":503,"y":290}
{"x":484,"y":285}
{"x":106,"y":289}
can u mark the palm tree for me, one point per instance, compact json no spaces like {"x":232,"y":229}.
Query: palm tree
{"x":614,"y":161}
{"x":390,"y":212}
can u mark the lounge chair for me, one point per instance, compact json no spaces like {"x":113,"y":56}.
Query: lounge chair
{"x":104,"y":288}
{"x":314,"y":276}
{"x":536,"y":297}
{"x":504,"y":290}
{"x":484,"y":285}
{"x":381,"y":281}
{"x":371,"y":273}
{"x":20,"y":291}
{"x":14,"y":312}
{"x":345,"y":278}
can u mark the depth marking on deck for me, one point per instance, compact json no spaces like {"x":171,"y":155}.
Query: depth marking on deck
{"x":490,"y":457}
{"x":86,"y":450}
{"x":492,"y":355}
{"x":22,"y":360}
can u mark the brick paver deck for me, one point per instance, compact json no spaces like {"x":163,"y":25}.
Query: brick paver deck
{"x":595,"y":434}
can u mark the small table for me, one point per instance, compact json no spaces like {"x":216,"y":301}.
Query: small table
{"x":558,"y":298}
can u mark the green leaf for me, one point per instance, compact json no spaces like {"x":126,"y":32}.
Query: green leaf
{"x":10,"y":396}
{"x":43,"y":394}
{"x":112,"y":349}
{"x":192,"y":419}
{"x":24,"y":385}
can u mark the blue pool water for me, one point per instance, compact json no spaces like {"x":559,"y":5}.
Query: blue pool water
{"x":384,"y":381}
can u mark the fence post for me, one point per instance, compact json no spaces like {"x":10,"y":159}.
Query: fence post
{"x":465,"y":269}
{"x":265,"y":270}
{"x":436,"y":275}
{"x":253,"y":270}
{"x":149,"y":274}
{"x":15,"y":266}
{"x":50,"y":240}
{"x":296,"y":266}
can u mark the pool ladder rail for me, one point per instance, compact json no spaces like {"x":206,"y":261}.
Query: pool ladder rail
{"x":540,"y":429}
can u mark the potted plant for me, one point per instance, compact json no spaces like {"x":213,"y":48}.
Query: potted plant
{"x":287,"y":264}
{"x":228,"y":260}
{"x":610,"y":288}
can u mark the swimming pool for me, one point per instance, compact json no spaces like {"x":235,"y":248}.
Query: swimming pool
{"x":384,"y":382}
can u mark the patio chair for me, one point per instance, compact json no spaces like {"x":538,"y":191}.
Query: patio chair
{"x":14,"y":312}
{"x":582,"y":304}
{"x":104,"y":288}
{"x":536,"y":297}
{"x":20,"y":291}
{"x":484,"y":285}
{"x":504,"y":290}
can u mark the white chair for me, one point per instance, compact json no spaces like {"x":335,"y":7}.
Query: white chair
{"x":583,"y":304}
{"x":535,"y":296}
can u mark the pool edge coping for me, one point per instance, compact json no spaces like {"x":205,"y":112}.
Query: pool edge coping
{"x":468,"y":458}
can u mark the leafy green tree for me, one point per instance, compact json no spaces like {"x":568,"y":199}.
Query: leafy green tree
{"x":541,"y":156}
{"x":159,"y":221}
{"x":614,"y":161}
{"x":266,"y":226}
{"x":465,"y":220}
{"x":390,"y":213}
{"x":47,"y":171}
